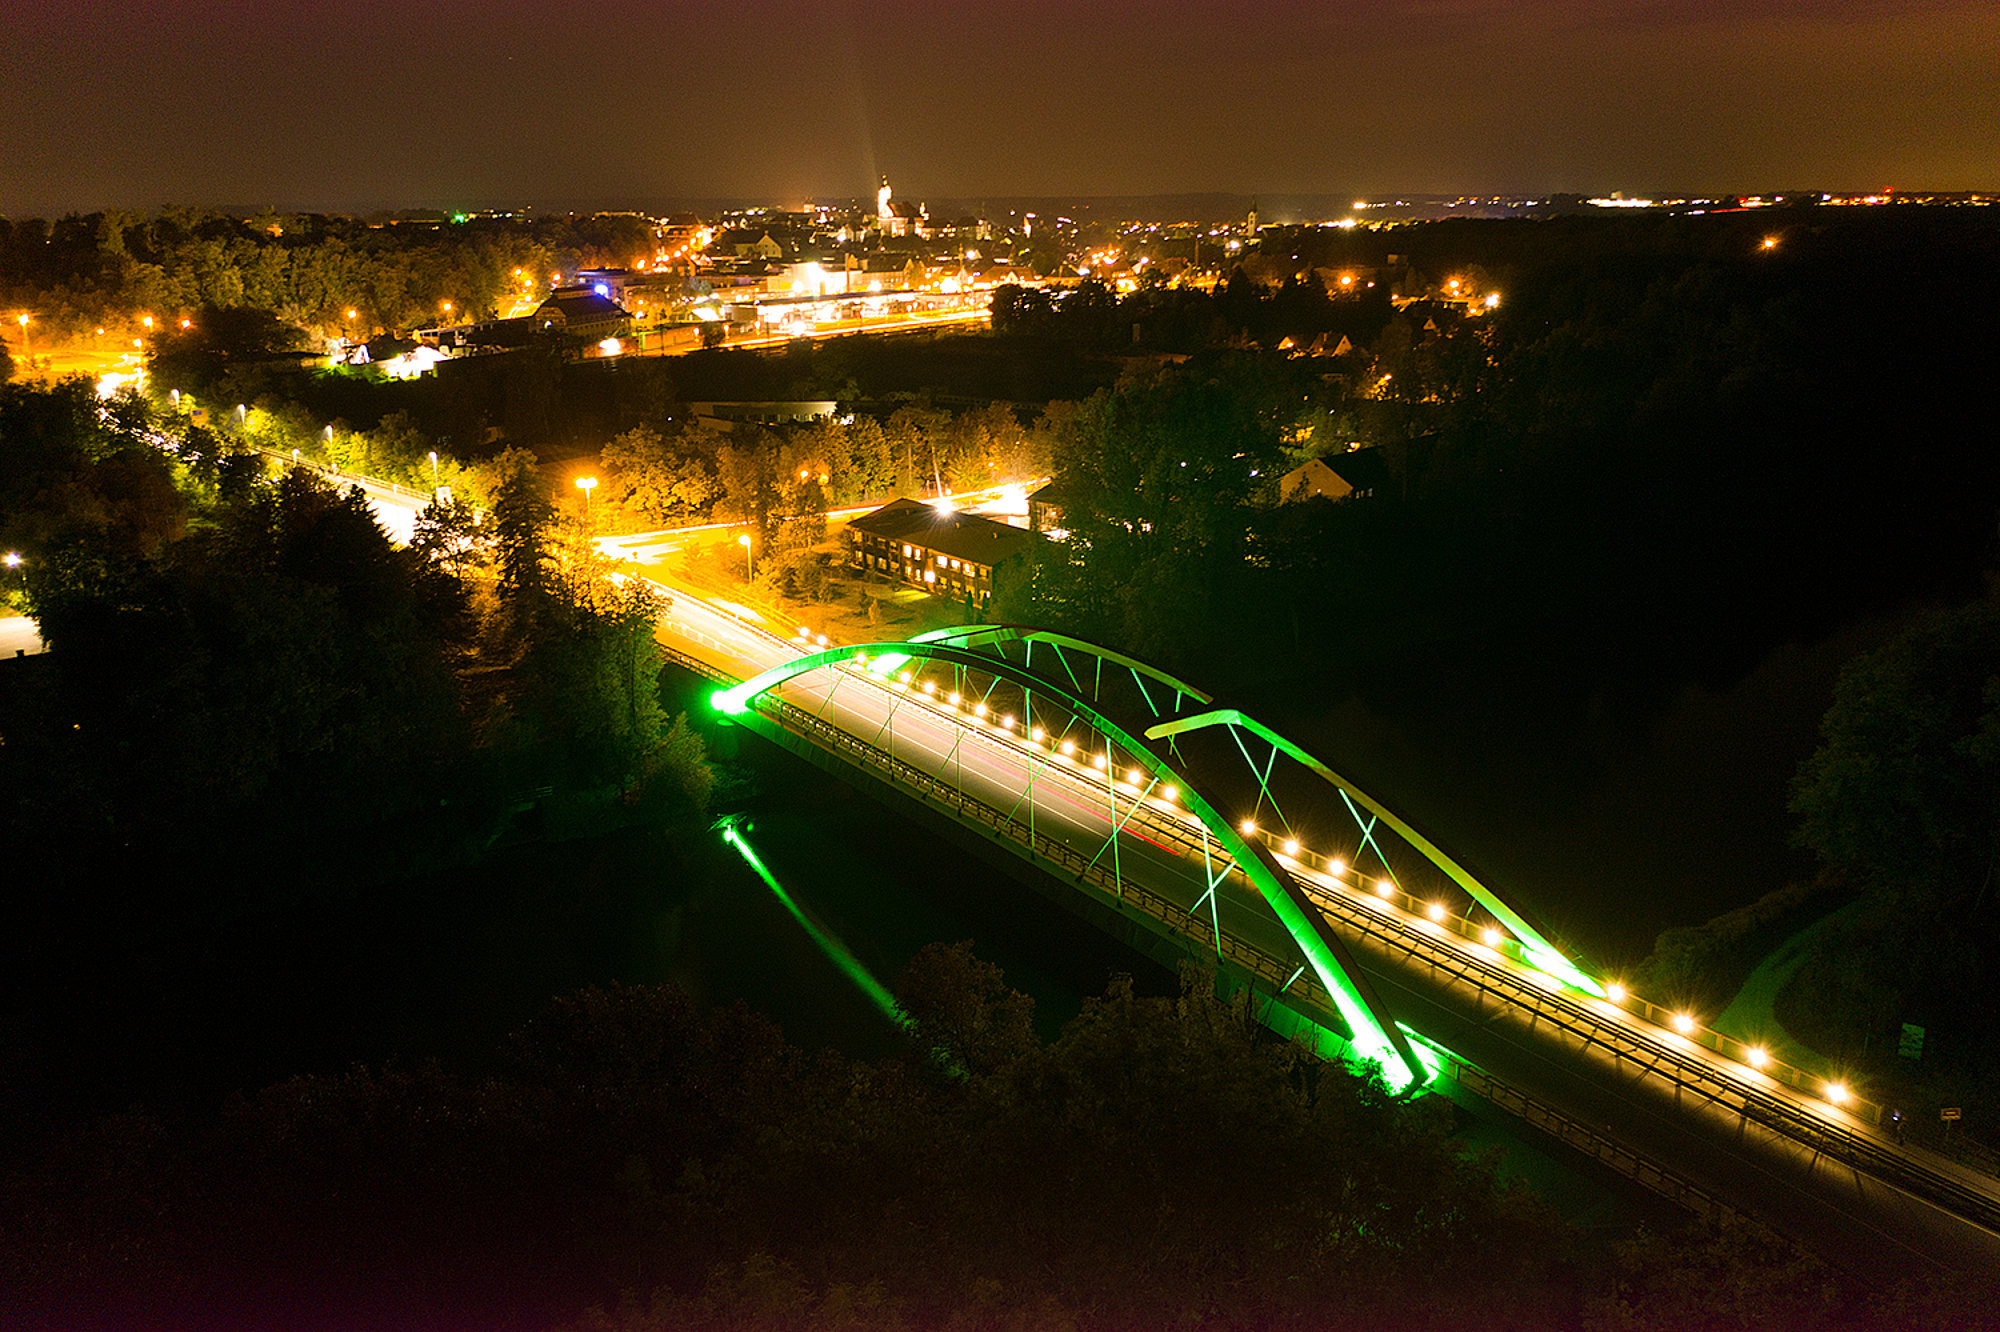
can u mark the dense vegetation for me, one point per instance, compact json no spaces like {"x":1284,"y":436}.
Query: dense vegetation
{"x":253,"y":699}
{"x":1668,"y":450}
{"x":1160,"y":1163}
{"x":85,"y":274}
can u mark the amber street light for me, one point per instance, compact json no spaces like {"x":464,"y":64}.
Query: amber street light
{"x":584,"y":483}
{"x":744,"y":541}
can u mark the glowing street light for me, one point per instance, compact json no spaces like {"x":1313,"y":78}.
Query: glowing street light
{"x":23,"y":322}
{"x":744,"y":541}
{"x":12,"y":559}
{"x":584,"y":483}
{"x":434,"y":474}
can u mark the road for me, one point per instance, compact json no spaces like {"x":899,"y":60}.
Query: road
{"x":1730,"y":1131}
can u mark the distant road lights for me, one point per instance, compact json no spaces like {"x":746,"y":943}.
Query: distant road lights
{"x":434,"y":465}
{"x":1768,"y":243}
{"x":930,"y":687}
{"x":904,"y":677}
{"x":1097,"y":761}
{"x":821,"y":640}
{"x":1036,"y":734}
{"x":1492,"y":300}
{"x":353,"y":315}
{"x":1490,"y":937}
{"x":186,"y":324}
{"x":147,"y":322}
{"x":1291,"y":846}
{"x":1836,"y":1092}
{"x":1384,"y":889}
{"x":1436,"y":912}
{"x":1249,"y":827}
{"x":1067,"y":748}
{"x":1615,"y":992}
{"x":12,"y":559}
{"x":748,"y":575}
{"x":1336,"y":866}
{"x":1170,"y":793}
{"x":1007,"y":722}
{"x":952,"y":698}
{"x":584,"y":483}
{"x":1683,"y":1024}
{"x":1756,"y":1056}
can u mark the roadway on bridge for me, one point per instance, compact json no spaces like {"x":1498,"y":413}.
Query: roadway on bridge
{"x":1730,"y":1130}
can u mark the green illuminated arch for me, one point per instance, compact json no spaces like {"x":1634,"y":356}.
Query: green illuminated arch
{"x":1375,"y":1035}
{"x":1534,"y":943}
{"x":971,"y":635}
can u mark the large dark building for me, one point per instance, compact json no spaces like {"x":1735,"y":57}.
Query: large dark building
{"x":944,"y":552}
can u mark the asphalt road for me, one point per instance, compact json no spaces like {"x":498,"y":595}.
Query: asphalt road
{"x":1768,"y":1148}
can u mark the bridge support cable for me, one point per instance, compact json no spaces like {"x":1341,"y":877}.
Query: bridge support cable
{"x":1374,"y":1035}
{"x":1537,"y":946}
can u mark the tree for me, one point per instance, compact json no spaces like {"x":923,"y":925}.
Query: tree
{"x":666,"y":477}
{"x":523,"y":514}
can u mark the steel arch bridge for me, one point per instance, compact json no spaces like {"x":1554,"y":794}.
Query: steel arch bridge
{"x":1131,"y":754}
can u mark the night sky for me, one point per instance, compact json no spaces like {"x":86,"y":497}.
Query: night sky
{"x":355,"y":103}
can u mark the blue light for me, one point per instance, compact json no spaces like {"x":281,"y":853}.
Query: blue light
{"x":602,"y":290}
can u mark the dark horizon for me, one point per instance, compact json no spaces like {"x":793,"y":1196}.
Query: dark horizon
{"x":354,"y":104}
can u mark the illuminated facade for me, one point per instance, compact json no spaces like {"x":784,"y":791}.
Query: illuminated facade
{"x":948,"y":554}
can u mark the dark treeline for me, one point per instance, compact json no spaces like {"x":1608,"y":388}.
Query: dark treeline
{"x":253,"y":700}
{"x":1667,"y":450}
{"x":628,"y":1161}
{"x":1901,"y":804}
{"x":81,"y":274}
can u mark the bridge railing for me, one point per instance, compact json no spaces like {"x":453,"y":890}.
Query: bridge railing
{"x":1680,"y":1025}
{"x":1734,"y":1091}
{"x":1086,"y":869}
{"x":1421,"y":942}
{"x":1578,"y":1136}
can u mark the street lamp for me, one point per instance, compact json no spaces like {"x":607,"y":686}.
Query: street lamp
{"x":744,"y":541}
{"x":434,"y":476}
{"x":23,"y":322}
{"x":584,"y":483}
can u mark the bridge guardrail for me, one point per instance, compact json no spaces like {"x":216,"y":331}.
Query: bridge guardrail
{"x":1828,"y":1136}
{"x":1369,"y":918}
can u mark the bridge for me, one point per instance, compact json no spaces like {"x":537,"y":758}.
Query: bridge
{"x":1192,"y":830}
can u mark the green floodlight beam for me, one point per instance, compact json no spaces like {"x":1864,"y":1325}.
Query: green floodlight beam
{"x":1373,"y":1036}
{"x":836,"y":951}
